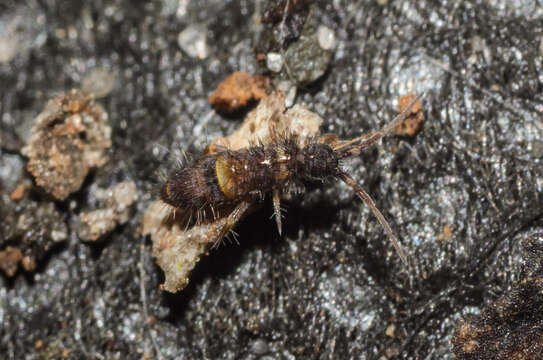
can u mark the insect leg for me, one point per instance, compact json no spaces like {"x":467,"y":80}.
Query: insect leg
{"x":329,"y":139}
{"x":366,"y":198}
{"x":232,"y":219}
{"x":351,"y":148}
{"x":277,"y":209}
{"x":214,"y":149}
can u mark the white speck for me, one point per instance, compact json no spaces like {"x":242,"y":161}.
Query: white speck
{"x":98,"y":312}
{"x":326,"y":37}
{"x":291,"y":96}
{"x":193,"y":41}
{"x":274,"y":62}
{"x":289,"y":88}
{"x":58,"y":235}
{"x":182,"y":8}
{"x":98,"y":82}
{"x":365,"y":321}
{"x":8,"y":48}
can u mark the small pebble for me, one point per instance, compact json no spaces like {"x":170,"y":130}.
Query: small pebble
{"x":99,"y":82}
{"x":289,"y":89}
{"x":193,"y":41}
{"x":259,"y":347}
{"x":274,"y":62}
{"x":326,"y":37}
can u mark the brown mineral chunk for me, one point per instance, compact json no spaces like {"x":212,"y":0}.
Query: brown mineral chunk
{"x":412,"y":123}
{"x":237,"y":90}
{"x":68,"y":139}
{"x":9,"y":260}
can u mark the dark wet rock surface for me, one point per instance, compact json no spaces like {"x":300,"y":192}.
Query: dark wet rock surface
{"x":510,"y":327}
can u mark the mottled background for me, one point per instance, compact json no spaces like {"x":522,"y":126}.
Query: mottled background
{"x":463,"y":194}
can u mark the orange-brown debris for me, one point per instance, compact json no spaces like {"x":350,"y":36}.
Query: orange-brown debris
{"x":69,"y":138}
{"x":38,"y":344}
{"x":237,"y":90}
{"x":9,"y":260}
{"x":411,"y":125}
{"x":446,"y":234}
{"x":29,"y":263}
{"x":18,"y":193}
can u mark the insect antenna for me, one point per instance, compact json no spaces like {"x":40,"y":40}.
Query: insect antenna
{"x":366,"y":198}
{"x":351,"y":148}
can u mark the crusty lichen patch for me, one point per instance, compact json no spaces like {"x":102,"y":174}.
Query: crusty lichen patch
{"x":69,"y":138}
{"x":177,"y":250}
{"x":271,"y":113}
{"x":115,"y":207}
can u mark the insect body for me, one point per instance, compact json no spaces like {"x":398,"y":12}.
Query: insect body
{"x":239,"y":178}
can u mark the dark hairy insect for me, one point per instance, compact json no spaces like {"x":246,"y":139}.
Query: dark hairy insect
{"x":235,"y":179}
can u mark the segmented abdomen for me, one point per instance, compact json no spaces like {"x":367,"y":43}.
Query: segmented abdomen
{"x":229,"y":176}
{"x":244,"y":171}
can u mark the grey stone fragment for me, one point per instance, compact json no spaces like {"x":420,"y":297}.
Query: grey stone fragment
{"x":306,"y":60}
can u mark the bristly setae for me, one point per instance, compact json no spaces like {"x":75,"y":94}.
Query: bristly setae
{"x":235,"y":179}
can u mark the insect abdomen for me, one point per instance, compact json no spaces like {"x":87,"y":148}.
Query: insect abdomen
{"x":244,"y":171}
{"x":229,"y":176}
{"x":194,"y":187}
